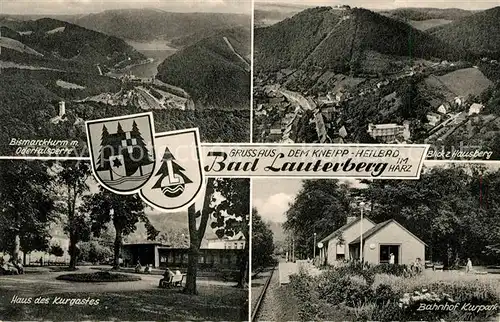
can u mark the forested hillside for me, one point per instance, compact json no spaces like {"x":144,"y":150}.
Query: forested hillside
{"x":478,"y":33}
{"x":420,"y":14}
{"x":151,"y":24}
{"x":214,"y":75}
{"x":336,"y":39}
{"x":67,"y":44}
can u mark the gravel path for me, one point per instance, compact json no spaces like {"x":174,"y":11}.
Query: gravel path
{"x":268,"y":306}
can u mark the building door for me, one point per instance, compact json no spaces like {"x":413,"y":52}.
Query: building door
{"x":386,"y":251}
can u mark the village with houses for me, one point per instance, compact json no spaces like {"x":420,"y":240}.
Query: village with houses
{"x":322,"y":114}
{"x":322,"y":76}
{"x":146,"y":94}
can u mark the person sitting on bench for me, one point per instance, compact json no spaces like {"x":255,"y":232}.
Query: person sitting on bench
{"x":168,"y":275}
{"x":178,"y":278}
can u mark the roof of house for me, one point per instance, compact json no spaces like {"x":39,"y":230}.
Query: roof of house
{"x":238,"y":236}
{"x":378,"y":227}
{"x":142,"y":243}
{"x":343,"y":228}
{"x":386,"y":126}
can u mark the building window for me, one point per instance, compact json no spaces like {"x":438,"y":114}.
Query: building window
{"x":386,"y":251}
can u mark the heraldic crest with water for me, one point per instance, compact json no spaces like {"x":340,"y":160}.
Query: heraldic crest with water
{"x":122,"y":151}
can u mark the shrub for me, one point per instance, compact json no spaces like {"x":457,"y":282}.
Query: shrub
{"x":56,"y":250}
{"x":391,"y":269}
{"x":384,"y":294}
{"x":351,"y":289}
{"x":302,"y":285}
{"x":389,"y":311}
{"x":94,"y":252}
{"x":364,"y":312}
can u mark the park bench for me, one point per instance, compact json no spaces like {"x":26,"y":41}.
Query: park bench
{"x":175,"y":280}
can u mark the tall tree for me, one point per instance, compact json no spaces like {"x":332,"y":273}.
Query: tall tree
{"x":227,"y":201}
{"x":196,"y":233}
{"x":262,"y":242}
{"x":232,"y":215}
{"x":27,"y":206}
{"x":72,"y":177}
{"x":446,"y":208}
{"x":124,"y":212}
{"x":320,"y":207}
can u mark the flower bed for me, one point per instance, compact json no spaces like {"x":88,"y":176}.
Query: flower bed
{"x":361,"y":294}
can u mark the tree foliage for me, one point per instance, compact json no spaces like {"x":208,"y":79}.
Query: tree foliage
{"x":71,"y":178}
{"x":447,"y":208}
{"x":123,"y":211}
{"x":56,"y":250}
{"x":27,"y":206}
{"x":222,"y":81}
{"x":454,"y":209}
{"x":321,"y":206}
{"x":94,"y":252}
{"x":226,"y":201}
{"x":262,"y":242}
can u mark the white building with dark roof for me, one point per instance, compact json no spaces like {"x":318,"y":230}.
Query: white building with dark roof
{"x":378,"y":242}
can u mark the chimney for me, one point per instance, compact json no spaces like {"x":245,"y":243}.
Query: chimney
{"x":62,"y":108}
{"x":350,"y":219}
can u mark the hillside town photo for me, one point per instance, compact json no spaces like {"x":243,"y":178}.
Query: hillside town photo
{"x":62,"y":63}
{"x":380,"y":250}
{"x":373,"y":72}
{"x":71,"y":250}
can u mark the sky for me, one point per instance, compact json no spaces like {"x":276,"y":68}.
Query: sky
{"x":392,"y":4}
{"x":272,"y":197}
{"x":53,"y":7}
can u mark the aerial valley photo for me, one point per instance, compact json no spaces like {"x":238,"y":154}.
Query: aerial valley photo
{"x":65,"y":62}
{"x":379,"y":72}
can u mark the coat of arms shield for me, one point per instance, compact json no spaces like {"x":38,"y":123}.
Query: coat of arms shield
{"x":178,"y":176}
{"x":122,"y":151}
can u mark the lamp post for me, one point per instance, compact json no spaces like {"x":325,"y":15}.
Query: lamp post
{"x":314,"y":247}
{"x":321,"y":253}
{"x":361,"y":205}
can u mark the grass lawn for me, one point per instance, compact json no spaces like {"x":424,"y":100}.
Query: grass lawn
{"x":212,"y":303}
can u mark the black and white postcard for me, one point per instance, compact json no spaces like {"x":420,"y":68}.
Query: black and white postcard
{"x":379,"y":72}
{"x":378,"y":250}
{"x":66,"y":62}
{"x":71,"y":250}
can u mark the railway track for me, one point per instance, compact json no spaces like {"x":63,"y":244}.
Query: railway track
{"x":256,"y":310}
